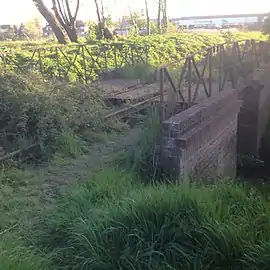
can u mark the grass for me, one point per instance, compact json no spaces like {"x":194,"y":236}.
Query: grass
{"x":110,"y":207}
{"x":116,"y":216}
{"x":13,"y":255}
{"x":115,"y":222}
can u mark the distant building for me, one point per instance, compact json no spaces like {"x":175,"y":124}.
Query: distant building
{"x":81,"y":28}
{"x":123,"y":28}
{"x":219,"y":21}
{"x":7,"y":31}
{"x":5,"y":28}
{"x":47,"y":31}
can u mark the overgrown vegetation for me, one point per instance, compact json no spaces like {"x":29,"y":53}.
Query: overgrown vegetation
{"x":105,"y":225}
{"x":60,"y":117}
{"x":115,"y":218}
{"x":113,"y":221}
{"x":154,"y":49}
{"x":118,"y":214}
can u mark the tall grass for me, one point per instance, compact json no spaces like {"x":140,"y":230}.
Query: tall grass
{"x":114,"y":222}
{"x":142,"y":158}
{"x":13,"y":255}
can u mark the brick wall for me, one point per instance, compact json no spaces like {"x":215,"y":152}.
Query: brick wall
{"x":201,"y":141}
{"x":254,"y":115}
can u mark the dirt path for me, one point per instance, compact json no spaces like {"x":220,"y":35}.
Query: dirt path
{"x":99,"y":155}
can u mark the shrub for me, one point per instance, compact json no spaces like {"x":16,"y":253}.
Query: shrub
{"x":51,"y":113}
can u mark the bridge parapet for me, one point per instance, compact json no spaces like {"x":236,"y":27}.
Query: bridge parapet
{"x":212,"y":70}
{"x":205,"y":140}
{"x":201,"y":141}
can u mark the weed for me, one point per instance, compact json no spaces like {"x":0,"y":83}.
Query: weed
{"x":143,"y":72}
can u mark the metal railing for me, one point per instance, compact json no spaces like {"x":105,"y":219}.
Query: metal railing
{"x":74,"y":62}
{"x":206,"y":72}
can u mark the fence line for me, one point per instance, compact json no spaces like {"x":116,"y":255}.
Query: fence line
{"x":213,"y":69}
{"x":75,"y":62}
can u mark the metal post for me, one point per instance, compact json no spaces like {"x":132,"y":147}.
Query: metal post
{"x":162,"y":107}
{"x":219,"y":69}
{"x":84,"y":64}
{"x":189,"y":82}
{"x":210,"y":71}
{"x":40,"y":63}
{"x":57,"y":62}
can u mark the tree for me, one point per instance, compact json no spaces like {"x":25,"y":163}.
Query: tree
{"x":33,"y":29}
{"x":165,"y":17}
{"x":64,"y":16}
{"x":148,"y":29}
{"x":52,"y":21}
{"x":104,"y":31}
{"x":133,"y":21}
{"x":137,"y":20}
{"x":159,"y":16}
{"x":266,"y":26}
{"x":162,"y":16}
{"x":62,"y":19}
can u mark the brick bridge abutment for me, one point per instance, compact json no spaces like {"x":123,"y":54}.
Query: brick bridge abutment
{"x":205,"y":140}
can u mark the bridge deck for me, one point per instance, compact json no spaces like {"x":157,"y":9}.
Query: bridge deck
{"x":131,"y":90}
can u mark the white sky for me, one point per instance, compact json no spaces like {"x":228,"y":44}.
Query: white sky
{"x":16,"y":11}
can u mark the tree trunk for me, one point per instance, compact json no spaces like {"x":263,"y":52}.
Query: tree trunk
{"x":165,"y":17}
{"x":66,"y":20}
{"x":100,"y":25}
{"x":148,"y":30}
{"x":104,"y":31}
{"x":159,"y":16}
{"x":134,"y":22}
{"x":72,"y":34}
{"x":50,"y":18}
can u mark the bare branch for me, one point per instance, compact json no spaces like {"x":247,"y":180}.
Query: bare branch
{"x":68,"y":10}
{"x":62,"y":11}
{"x":77,"y":10}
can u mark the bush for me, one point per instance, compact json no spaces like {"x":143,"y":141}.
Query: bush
{"x":225,"y":226}
{"x":54,"y":114}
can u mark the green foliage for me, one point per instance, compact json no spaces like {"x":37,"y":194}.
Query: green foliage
{"x":114,"y":223}
{"x":163,"y":49}
{"x":144,"y":72}
{"x":54,"y":114}
{"x":141,"y":159}
{"x":33,"y":29}
{"x":137,"y":19}
{"x":15,"y":256}
{"x":14,"y":177}
{"x":93,"y":31}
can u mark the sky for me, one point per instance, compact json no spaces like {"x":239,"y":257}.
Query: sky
{"x":17,"y":11}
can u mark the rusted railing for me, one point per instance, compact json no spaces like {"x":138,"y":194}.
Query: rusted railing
{"x":204,"y":73}
{"x":75,"y":62}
